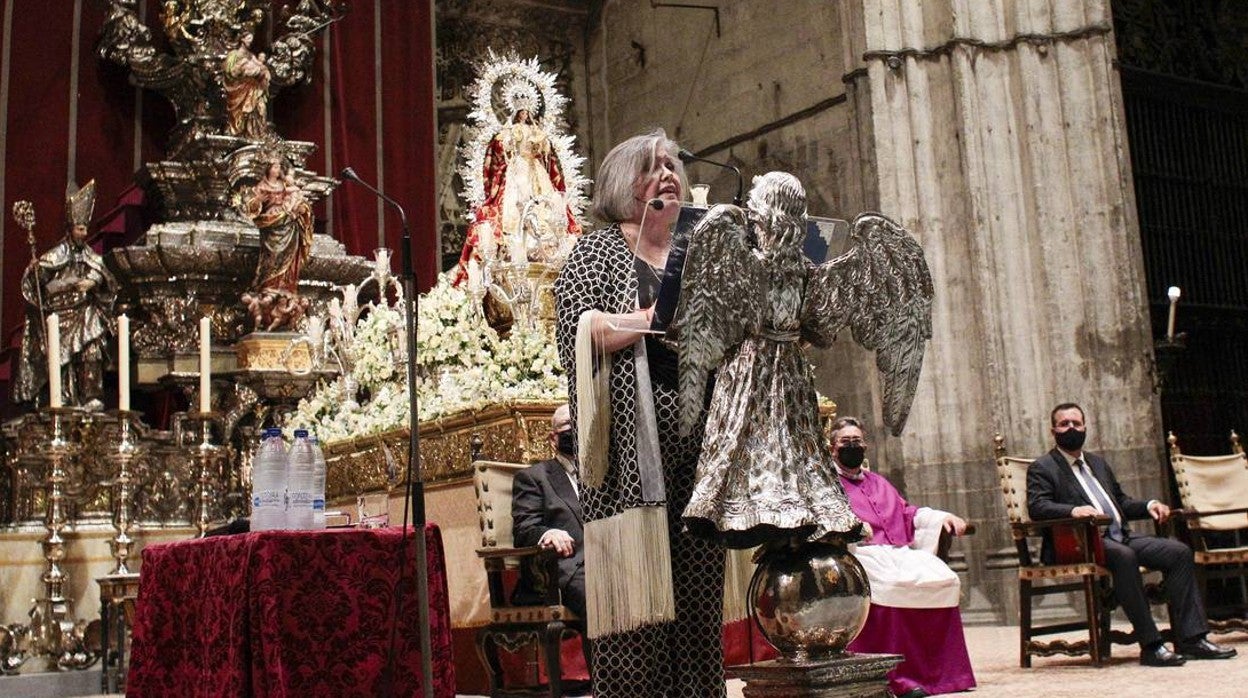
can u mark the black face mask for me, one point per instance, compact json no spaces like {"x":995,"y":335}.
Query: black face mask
{"x":851,"y":456}
{"x":1070,"y":440}
{"x":567,"y":442}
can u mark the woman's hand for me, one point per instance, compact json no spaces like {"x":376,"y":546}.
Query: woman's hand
{"x":613,"y":332}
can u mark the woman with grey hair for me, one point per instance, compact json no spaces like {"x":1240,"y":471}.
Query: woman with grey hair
{"x":654,"y":593}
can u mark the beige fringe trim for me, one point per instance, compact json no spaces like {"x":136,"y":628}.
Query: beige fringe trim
{"x":738,"y":570}
{"x":628,"y":571}
{"x":593,"y":404}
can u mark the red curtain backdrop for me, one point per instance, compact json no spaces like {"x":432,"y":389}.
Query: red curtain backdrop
{"x":380,"y":62}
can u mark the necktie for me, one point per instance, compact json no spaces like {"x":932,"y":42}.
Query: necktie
{"x":1102,"y":500}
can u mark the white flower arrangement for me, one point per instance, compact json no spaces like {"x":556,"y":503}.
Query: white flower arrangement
{"x":462,"y":364}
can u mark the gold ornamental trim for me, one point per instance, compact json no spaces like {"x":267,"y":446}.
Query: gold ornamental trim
{"x":509,"y":431}
{"x":273,"y":351}
{"x":513,"y":431}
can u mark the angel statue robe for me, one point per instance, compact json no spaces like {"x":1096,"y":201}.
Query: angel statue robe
{"x":748,"y":296}
{"x":765,"y":470}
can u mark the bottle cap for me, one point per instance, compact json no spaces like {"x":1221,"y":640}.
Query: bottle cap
{"x":301,"y":433}
{"x":272,"y":431}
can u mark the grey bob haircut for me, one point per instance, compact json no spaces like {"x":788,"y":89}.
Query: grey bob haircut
{"x":626,"y":164}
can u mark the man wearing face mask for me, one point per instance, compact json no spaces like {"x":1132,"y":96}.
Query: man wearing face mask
{"x":546,"y":511}
{"x":914,"y":594}
{"x":1070,"y":482}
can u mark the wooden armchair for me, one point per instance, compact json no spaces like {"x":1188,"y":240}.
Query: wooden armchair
{"x":513,"y":627}
{"x":1079,"y":568}
{"x":1214,"y":493}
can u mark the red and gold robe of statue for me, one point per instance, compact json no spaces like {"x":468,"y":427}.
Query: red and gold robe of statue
{"x":491,"y":214}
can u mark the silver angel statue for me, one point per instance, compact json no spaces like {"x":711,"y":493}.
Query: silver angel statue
{"x":748,"y":299}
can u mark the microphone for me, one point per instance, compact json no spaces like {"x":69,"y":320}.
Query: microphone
{"x":688,"y":157}
{"x":349,"y":173}
{"x":414,"y":486}
{"x":656,"y":204}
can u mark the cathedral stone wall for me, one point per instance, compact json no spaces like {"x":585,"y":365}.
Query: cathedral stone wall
{"x":994,"y":131}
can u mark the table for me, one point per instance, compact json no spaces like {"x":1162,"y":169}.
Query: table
{"x":285,"y":613}
{"x":117,"y":597}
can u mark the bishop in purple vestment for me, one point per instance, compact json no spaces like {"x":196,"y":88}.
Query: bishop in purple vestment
{"x":914,"y":594}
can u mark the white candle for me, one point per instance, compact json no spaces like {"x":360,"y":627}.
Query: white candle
{"x":205,"y":365}
{"x":699,"y":193}
{"x":519,"y":252}
{"x":316,"y":330}
{"x":123,"y":362}
{"x":54,"y":360}
{"x":381,"y":262}
{"x":486,"y":242}
{"x":474,"y":275}
{"x":350,"y":300}
{"x":1173,"y":293}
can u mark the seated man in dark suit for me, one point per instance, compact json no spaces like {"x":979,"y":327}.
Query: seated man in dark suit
{"x":546,"y":511}
{"x":1070,"y":482}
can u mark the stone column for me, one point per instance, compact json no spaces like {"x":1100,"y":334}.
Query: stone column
{"x":994,"y":131}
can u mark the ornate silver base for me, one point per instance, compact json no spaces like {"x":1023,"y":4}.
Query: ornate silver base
{"x":847,"y":676}
{"x":810,"y":599}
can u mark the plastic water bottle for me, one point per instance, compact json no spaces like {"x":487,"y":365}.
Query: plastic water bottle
{"x":318,"y":484}
{"x":301,"y":487}
{"x":268,"y":483}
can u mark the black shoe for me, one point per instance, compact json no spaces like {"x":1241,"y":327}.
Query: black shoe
{"x":1204,"y":649}
{"x":1160,"y":656}
{"x":916,"y":692}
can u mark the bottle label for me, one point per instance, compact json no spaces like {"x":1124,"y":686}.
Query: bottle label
{"x":301,"y":500}
{"x":267,"y":499}
{"x":318,"y":505}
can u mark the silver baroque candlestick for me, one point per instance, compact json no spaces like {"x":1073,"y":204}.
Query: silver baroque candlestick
{"x":128,"y":452}
{"x":53,"y":631}
{"x":206,"y":456}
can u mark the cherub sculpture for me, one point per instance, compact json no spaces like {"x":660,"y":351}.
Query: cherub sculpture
{"x":749,"y":298}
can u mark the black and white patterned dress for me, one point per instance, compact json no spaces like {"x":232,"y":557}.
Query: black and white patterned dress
{"x":681,"y":658}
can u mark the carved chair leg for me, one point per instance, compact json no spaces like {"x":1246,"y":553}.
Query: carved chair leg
{"x":487,"y":650}
{"x":552,"y":641}
{"x":1024,"y":623}
{"x":1105,"y":598}
{"x":1091,"y":599}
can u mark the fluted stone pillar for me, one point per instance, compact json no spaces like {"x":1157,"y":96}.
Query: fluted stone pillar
{"x":994,"y":131}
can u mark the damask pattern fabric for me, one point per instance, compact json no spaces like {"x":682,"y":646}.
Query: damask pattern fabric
{"x":285,"y":613}
{"x":682,"y":658}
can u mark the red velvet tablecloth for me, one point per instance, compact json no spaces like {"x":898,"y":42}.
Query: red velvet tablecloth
{"x":283,"y":614}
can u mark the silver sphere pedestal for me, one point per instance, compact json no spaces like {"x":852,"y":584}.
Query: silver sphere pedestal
{"x":810,"y":600}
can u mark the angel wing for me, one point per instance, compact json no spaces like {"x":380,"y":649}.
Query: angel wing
{"x":721,"y":302}
{"x":881,"y":290}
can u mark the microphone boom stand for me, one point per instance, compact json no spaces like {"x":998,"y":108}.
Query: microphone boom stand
{"x":414,"y":488}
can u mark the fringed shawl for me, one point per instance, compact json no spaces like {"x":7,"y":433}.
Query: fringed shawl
{"x":625,"y":508}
